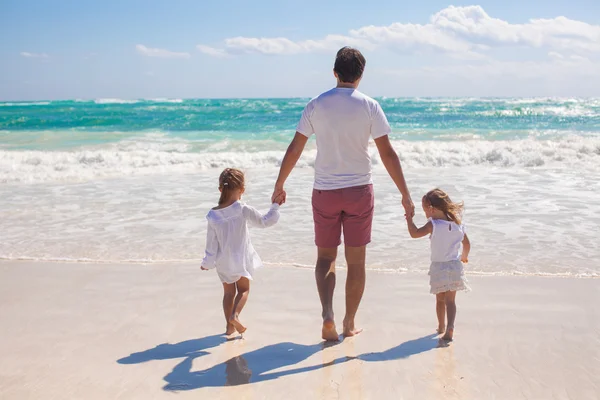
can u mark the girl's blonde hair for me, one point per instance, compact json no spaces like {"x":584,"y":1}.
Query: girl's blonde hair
{"x":230,"y":180}
{"x":440,"y":200}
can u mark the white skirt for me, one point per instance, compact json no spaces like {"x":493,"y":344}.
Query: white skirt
{"x":232,"y":275}
{"x":447,"y":276}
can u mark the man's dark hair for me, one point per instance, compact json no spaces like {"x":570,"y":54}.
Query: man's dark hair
{"x":349,"y":64}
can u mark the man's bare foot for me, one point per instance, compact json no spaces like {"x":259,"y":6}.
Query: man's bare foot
{"x":237,"y":324}
{"x":449,"y":335}
{"x":441,"y":329}
{"x":350,"y":329}
{"x":329,"y":333}
{"x":230,"y":329}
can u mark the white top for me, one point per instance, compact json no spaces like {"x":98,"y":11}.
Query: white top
{"x":343,"y":119}
{"x":228,"y":246}
{"x":446,"y":239}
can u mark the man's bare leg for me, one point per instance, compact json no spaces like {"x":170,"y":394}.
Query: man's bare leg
{"x":440,"y":310}
{"x":325,"y":276}
{"x":228,"y":297}
{"x":355,"y":286}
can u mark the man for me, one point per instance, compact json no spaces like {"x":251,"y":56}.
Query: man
{"x":343,"y":120}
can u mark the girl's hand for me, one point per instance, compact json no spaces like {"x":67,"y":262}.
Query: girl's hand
{"x":203,"y":269}
{"x":464,"y":259}
{"x":279,"y":199}
{"x":279,"y":195}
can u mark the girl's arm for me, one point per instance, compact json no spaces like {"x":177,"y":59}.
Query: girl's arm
{"x":466,"y":249}
{"x":415,"y":232}
{"x":212,"y":248}
{"x":262,"y":221}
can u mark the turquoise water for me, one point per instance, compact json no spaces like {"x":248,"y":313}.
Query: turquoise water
{"x":82,"y":140}
{"x":57,"y":125}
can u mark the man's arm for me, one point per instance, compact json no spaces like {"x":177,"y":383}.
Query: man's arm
{"x":293,"y":153}
{"x":392,"y":165}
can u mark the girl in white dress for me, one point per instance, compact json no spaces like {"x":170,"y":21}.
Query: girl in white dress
{"x":446,"y":274}
{"x":228,"y":246}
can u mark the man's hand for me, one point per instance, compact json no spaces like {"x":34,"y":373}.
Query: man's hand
{"x":279,"y":199}
{"x":409,"y":207}
{"x":464,"y":258}
{"x":279,"y":195}
{"x":203,"y":269}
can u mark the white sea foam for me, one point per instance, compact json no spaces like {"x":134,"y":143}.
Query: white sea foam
{"x":165,"y":100}
{"x":115,"y":101}
{"x":560,"y":111}
{"x":161,"y":155}
{"x":374,"y":267}
{"x":24,"y":104}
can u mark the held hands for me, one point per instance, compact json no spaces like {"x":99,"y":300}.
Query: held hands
{"x":409,"y":207}
{"x":279,"y":195}
{"x":280,"y":199}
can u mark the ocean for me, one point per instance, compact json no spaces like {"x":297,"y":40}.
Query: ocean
{"x":129,"y":181}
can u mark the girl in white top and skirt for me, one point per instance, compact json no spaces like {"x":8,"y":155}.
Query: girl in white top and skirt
{"x":446,"y":273}
{"x":228,"y":246}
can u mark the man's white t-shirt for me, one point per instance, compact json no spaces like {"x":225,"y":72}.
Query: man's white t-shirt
{"x":343,"y":119}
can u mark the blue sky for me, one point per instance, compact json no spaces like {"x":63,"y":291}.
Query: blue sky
{"x":183,"y":48}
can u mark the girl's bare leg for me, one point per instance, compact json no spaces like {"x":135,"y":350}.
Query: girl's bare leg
{"x":451,"y":311}
{"x":228,"y":298}
{"x":243,"y":290}
{"x":440,"y":310}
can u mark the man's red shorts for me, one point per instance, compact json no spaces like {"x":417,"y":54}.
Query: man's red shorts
{"x":348,"y":208}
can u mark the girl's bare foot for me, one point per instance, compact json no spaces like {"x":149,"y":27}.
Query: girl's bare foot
{"x":230,"y":329}
{"x":237,"y":324}
{"x":449,"y":335}
{"x":441,"y":329}
{"x":329,"y":333}
{"x":350,"y":329}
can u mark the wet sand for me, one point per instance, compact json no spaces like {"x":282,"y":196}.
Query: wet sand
{"x":84,"y":331}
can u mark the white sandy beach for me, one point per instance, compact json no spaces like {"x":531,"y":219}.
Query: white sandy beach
{"x":84,"y":331}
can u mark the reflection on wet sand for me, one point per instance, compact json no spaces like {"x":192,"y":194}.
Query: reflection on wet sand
{"x":446,"y":382}
{"x":353,"y":376}
{"x":237,"y":371}
{"x":329,"y":387}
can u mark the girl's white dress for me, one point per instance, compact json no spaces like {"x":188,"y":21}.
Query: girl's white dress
{"x":446,"y":272}
{"x":228,"y":246}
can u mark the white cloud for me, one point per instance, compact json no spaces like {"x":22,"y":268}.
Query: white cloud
{"x":27,"y":54}
{"x":509,"y":71}
{"x":462,"y":32}
{"x":162,"y":53}
{"x":211,"y":51}
{"x":284,"y":46}
{"x":580,"y":59}
{"x":555,"y":55}
{"x":549,"y":77}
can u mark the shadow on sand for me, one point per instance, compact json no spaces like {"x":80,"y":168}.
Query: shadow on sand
{"x":166,"y":351}
{"x":251,"y":367}
{"x":256,"y":366}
